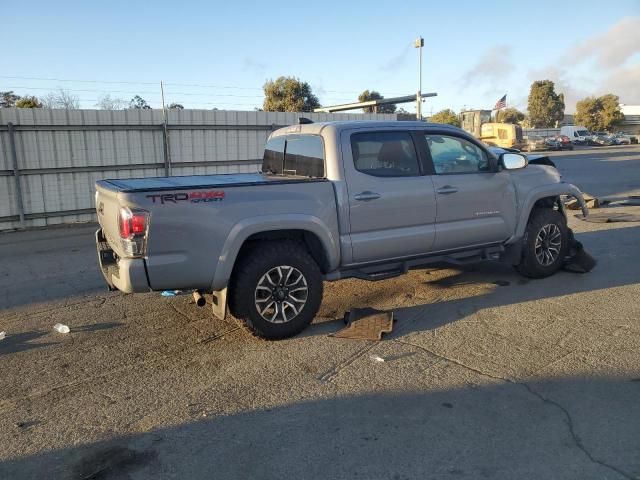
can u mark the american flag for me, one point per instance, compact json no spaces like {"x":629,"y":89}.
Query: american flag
{"x":502,"y":103}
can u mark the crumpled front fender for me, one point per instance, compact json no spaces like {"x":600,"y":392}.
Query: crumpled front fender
{"x":551,"y":190}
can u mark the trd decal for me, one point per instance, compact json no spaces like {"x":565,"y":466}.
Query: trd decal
{"x":193,"y":197}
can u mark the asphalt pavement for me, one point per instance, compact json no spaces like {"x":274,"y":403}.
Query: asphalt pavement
{"x":486,"y":374}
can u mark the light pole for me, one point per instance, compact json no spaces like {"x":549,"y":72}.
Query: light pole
{"x":419,"y":43}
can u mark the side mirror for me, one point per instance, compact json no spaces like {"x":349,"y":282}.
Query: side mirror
{"x":513,"y":161}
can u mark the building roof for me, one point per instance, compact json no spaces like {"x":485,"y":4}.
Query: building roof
{"x":630,"y":109}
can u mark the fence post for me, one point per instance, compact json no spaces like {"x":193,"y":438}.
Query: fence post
{"x":167,"y":151}
{"x":16,"y":172}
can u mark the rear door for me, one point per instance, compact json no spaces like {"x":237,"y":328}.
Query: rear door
{"x":391,"y":202}
{"x":476,"y":202}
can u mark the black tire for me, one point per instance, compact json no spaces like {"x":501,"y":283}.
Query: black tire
{"x":255,"y":269}
{"x":533,"y":263}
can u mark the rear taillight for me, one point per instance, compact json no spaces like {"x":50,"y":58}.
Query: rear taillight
{"x":134,"y":224}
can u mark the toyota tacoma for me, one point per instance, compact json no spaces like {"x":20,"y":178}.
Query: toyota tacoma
{"x":334,"y":200}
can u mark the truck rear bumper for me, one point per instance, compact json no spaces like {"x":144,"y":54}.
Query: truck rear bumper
{"x":128,"y":275}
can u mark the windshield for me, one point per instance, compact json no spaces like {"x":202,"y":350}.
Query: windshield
{"x":583,"y":133}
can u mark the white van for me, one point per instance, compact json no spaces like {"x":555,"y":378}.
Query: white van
{"x":577,"y":133}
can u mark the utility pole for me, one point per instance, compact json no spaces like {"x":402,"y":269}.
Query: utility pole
{"x":419,"y":43}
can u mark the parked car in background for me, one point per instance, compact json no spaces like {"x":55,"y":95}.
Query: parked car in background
{"x":621,"y":139}
{"x":603,"y":139}
{"x":559,"y":142}
{"x":578,"y":134}
{"x":633,"y":138}
{"x":625,"y":138}
{"x":535,"y":143}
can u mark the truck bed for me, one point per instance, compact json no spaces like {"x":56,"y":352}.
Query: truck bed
{"x":188,"y":240}
{"x":154,"y":184}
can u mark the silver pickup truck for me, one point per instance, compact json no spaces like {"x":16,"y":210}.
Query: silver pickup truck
{"x":334,"y":200}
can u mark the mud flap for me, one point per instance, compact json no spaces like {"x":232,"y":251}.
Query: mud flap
{"x":220,"y":303}
{"x":578,"y":260}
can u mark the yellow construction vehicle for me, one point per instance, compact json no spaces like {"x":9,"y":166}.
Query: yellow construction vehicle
{"x":505,"y":135}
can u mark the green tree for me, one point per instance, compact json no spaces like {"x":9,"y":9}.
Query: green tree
{"x":373,"y":95}
{"x":8,"y":99}
{"x":29,"y":102}
{"x":546,"y":107}
{"x":175,"y":106}
{"x":138,"y":103}
{"x":509,"y":115}
{"x":599,"y":113}
{"x":611,"y":114}
{"x":447,"y":116}
{"x":288,"y":94}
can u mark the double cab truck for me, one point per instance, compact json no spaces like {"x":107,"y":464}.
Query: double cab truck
{"x":334,"y":200}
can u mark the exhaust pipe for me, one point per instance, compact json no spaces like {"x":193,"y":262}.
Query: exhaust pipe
{"x":199,"y":298}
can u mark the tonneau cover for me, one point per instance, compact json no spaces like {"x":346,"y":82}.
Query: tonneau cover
{"x":152,"y":184}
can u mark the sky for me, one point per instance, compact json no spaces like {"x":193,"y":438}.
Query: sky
{"x":219,"y":54}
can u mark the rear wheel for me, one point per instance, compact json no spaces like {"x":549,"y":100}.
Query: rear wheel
{"x":276,"y":289}
{"x":545,"y":243}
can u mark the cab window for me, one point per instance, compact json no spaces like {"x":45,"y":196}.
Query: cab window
{"x":300,"y":155}
{"x":456,"y":155}
{"x":385,"y":154}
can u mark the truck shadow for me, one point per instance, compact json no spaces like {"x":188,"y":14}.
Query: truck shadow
{"x":615,"y":249}
{"x":553,"y":428}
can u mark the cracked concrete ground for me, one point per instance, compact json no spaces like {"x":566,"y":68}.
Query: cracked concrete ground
{"x":486,"y":375}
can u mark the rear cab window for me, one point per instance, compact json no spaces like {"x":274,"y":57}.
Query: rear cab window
{"x":297,"y":155}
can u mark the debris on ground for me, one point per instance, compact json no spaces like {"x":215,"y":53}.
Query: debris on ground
{"x":578,"y":260}
{"x":2,"y":335}
{"x":366,"y":324}
{"x":589,"y":201}
{"x":170,"y":293}
{"x":629,"y":201}
{"x":376,"y":358}
{"x":610,"y":217}
{"x":61,"y":328}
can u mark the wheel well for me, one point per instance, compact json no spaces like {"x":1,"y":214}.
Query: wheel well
{"x":547,"y":202}
{"x":308,"y":239}
{"x":553,"y":203}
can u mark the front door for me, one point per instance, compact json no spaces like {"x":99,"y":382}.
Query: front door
{"x":476,"y":203}
{"x":391,"y":202}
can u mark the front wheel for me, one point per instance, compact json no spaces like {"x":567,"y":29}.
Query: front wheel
{"x":276,"y":289}
{"x":545,"y":244}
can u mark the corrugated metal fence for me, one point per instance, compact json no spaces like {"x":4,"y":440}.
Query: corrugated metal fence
{"x":50,"y":159}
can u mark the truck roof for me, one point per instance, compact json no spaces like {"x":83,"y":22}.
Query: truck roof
{"x":316,"y":128}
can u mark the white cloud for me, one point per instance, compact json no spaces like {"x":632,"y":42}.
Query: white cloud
{"x":494,"y":65}
{"x":624,"y":82}
{"x":610,"y":49}
{"x":614,"y":69}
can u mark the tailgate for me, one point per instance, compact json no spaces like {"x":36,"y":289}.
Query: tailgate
{"x":107,"y":208}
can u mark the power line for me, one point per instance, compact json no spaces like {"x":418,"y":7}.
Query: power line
{"x":196,"y":85}
{"x":143,"y":92}
{"x":155,"y":93}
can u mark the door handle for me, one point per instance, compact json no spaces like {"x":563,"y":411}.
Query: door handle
{"x":366,"y":196}
{"x":447,"y":189}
